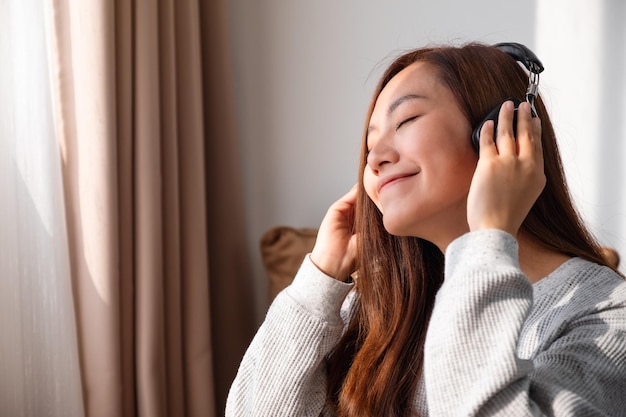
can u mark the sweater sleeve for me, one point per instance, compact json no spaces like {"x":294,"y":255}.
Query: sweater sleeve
{"x":472,"y":366}
{"x":282,"y":372}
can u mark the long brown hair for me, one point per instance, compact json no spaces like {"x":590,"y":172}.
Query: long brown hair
{"x":377,"y":365}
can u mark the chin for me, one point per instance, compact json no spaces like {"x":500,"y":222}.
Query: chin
{"x":396,"y":228}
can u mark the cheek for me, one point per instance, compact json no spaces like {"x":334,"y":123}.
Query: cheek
{"x":370,"y":182}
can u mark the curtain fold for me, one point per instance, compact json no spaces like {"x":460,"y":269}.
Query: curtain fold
{"x":136,"y":153}
{"x":232,"y":286}
{"x":86,"y":123}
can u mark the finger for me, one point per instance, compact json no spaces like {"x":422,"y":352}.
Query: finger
{"x":536,"y":122}
{"x":487,"y":145}
{"x":525,"y":131}
{"x":505,"y":138}
{"x":346,"y":204}
{"x":350,"y":196}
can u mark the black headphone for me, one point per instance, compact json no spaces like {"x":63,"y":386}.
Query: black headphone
{"x":524,"y":55}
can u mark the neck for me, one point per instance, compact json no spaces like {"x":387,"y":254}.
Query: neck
{"x":536,"y":260}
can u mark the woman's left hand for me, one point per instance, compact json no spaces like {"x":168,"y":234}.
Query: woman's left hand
{"x":509,"y":176}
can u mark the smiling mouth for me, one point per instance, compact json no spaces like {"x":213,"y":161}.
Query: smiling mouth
{"x":395,"y":180}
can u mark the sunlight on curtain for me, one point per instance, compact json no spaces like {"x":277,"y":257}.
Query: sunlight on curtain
{"x":581,"y":44}
{"x":39,"y":372}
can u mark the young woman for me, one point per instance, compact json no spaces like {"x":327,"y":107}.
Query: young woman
{"x":477,"y":289}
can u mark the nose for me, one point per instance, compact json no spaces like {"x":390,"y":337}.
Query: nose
{"x":381,"y":154}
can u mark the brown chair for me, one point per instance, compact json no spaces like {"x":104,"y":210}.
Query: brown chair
{"x":611,"y":256}
{"x":283,"y":249}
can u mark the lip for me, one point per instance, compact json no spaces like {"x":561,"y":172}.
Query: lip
{"x":391,"y":179}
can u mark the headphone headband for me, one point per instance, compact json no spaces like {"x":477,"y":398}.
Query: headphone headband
{"x":522,"y":54}
{"x":527,"y":57}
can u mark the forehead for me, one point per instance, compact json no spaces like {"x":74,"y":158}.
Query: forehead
{"x":419,"y":78}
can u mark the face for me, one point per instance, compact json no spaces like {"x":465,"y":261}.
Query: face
{"x":420,"y":161}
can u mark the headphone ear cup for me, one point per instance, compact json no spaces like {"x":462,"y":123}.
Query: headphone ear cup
{"x":493,"y":115}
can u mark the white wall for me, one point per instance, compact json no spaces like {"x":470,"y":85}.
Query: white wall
{"x":582,"y":45}
{"x":304,"y":72}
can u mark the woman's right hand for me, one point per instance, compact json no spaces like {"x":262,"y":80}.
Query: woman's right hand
{"x":510,"y":174}
{"x":334,"y":252}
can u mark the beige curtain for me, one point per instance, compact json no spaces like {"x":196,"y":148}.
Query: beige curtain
{"x":151,"y":187}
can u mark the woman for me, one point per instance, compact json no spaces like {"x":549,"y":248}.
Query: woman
{"x":522,"y":316}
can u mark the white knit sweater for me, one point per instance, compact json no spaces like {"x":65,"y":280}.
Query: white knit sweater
{"x":496,"y":345}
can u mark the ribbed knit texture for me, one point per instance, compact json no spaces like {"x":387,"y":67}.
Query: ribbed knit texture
{"x":496,"y":345}
{"x":282,"y":373}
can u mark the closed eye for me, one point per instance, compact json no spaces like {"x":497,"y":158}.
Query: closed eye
{"x":410,"y":119}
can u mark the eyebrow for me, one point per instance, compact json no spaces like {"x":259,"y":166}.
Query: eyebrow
{"x":396,"y":103}
{"x":401,"y":100}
